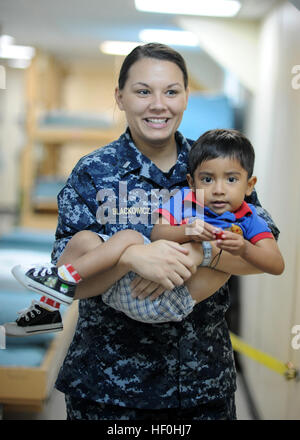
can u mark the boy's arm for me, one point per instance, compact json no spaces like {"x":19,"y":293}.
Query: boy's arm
{"x":198,"y":230}
{"x":264,"y":254}
{"x":163,"y":230}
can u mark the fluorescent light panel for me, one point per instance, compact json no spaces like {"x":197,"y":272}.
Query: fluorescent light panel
{"x":10,"y":51}
{"x":19,"y":64}
{"x":176,"y":38}
{"x":213,"y":8}
{"x":17,"y":52}
{"x":6,"y":40}
{"x":118,"y":47}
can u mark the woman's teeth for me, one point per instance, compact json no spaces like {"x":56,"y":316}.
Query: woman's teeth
{"x":157,"y":121}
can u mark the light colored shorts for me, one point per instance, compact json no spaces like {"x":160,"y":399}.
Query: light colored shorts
{"x":172,"y":305}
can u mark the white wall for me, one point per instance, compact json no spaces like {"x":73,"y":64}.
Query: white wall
{"x":261,"y":55}
{"x":231,"y":43}
{"x":271,"y":305}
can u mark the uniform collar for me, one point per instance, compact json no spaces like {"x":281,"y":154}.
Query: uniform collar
{"x":131,"y":159}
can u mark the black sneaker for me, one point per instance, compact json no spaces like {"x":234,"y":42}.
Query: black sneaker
{"x":45,"y":280}
{"x":34,"y":320}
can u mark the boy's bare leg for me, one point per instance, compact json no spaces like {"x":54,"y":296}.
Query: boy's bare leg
{"x":87,"y":249}
{"x":100,"y":283}
{"x":89,"y":255}
{"x":80,"y":244}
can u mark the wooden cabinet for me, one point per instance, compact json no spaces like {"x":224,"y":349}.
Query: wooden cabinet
{"x":42,"y":159}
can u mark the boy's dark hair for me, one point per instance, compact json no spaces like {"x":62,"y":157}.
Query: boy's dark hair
{"x":152,"y":50}
{"x":222,"y":143}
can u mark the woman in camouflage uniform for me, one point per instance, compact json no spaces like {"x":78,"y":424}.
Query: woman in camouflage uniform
{"x":118,"y":368}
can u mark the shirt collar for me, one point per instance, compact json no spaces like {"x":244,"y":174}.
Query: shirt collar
{"x":243,"y":210}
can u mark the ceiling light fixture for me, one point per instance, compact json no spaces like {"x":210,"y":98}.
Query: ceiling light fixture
{"x":6,"y":40}
{"x":213,"y":8}
{"x":10,"y":51}
{"x":176,"y":38}
{"x":17,"y":52}
{"x":118,"y":47}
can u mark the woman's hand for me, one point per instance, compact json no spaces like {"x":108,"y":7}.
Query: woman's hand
{"x":142,"y":288}
{"x":163,"y":262}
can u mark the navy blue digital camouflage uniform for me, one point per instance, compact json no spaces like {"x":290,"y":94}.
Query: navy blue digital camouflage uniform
{"x":119,"y":362}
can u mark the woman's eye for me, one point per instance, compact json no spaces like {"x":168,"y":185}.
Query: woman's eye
{"x":172,"y":92}
{"x":143,"y":92}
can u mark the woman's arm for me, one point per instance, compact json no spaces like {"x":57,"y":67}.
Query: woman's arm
{"x":166,"y":263}
{"x":77,"y":208}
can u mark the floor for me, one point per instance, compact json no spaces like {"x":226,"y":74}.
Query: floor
{"x":55,"y":407}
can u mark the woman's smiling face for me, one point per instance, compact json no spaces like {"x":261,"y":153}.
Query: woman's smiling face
{"x":154,"y":98}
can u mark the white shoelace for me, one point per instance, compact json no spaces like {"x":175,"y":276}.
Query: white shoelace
{"x":42,"y":269}
{"x":25,"y":312}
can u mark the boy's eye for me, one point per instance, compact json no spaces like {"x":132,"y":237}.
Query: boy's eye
{"x":206,"y":179}
{"x":232,"y":179}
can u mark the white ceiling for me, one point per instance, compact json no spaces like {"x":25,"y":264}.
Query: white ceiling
{"x":75,"y":28}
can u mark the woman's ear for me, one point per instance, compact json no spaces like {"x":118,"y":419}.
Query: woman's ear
{"x":118,"y":98}
{"x":190,"y":182}
{"x":250,"y":185}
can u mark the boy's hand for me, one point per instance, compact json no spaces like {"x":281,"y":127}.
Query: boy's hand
{"x":233,"y":243}
{"x":198,"y":230}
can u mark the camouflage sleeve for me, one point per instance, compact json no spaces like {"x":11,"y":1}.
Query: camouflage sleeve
{"x":263,"y":213}
{"x":77,"y":207}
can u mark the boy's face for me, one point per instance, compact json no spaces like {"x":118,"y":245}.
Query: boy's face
{"x":225,"y":183}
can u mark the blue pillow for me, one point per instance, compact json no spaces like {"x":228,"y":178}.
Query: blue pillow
{"x":23,"y":238}
{"x":23,"y":356}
